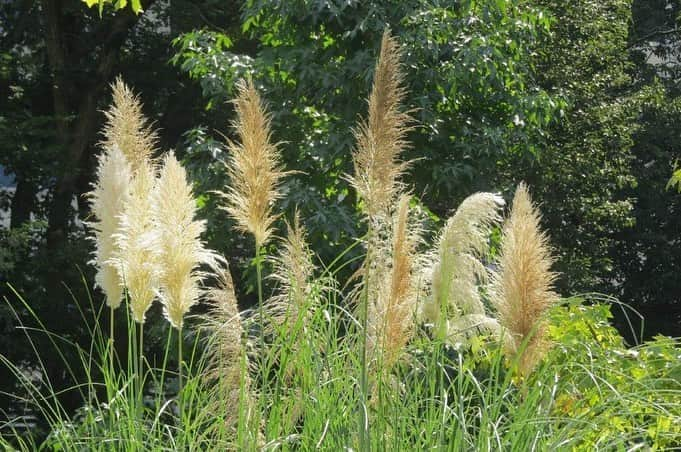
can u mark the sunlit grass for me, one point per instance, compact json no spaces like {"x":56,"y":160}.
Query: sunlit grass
{"x":590,"y":393}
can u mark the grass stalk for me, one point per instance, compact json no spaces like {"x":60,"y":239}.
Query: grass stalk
{"x":364,"y":430}
{"x":140,"y":367}
{"x":179,"y":373}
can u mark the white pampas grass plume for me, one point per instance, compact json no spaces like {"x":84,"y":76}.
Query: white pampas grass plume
{"x":253,"y":166}
{"x":456,"y":266}
{"x":109,"y":193}
{"x":137,"y":253}
{"x":127,"y":128}
{"x":522,"y":289}
{"x":394,"y":293}
{"x":382,"y":136}
{"x":178,"y":241}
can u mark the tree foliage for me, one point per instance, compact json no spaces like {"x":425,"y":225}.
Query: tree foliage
{"x":470,"y":87}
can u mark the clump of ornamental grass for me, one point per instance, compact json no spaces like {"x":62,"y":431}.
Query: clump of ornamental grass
{"x":381,"y":138}
{"x":127,"y":128}
{"x":522,"y":288}
{"x":109,"y":194}
{"x":456,"y":269}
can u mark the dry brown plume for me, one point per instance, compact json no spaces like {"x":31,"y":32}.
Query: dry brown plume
{"x":522,"y":290}
{"x":253,"y":166}
{"x":127,"y":128}
{"x":382,"y":136}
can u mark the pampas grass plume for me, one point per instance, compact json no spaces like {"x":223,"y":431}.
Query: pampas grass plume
{"x":253,"y":166}
{"x":522,"y":289}
{"x":392,"y":302}
{"x":456,"y":268}
{"x":127,"y":128}
{"x":293,"y":271}
{"x":107,"y":198}
{"x":382,"y":136}
{"x":224,"y":369}
{"x":177,"y":241}
{"x":137,"y":254}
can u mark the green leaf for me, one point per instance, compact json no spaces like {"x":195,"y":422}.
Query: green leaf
{"x":136,"y":6}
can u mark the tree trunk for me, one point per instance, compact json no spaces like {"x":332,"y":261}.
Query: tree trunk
{"x":78,"y":137}
{"x":23,"y":202}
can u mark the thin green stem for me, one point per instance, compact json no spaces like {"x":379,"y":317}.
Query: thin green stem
{"x":111,"y":348}
{"x":140,"y":375}
{"x":364,"y":415}
{"x":165,"y":360}
{"x":179,"y":371}
{"x":261,"y":308}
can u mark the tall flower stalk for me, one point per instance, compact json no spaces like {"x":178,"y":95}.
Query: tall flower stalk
{"x":522,"y":289}
{"x":293,"y":271}
{"x":130,"y":141}
{"x":381,"y":138}
{"x":137,"y":254}
{"x":254,"y":168}
{"x":226,"y":373}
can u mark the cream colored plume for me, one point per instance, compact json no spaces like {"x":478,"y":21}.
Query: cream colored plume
{"x":382,"y":136}
{"x":107,"y":198}
{"x":253,"y":166}
{"x":179,"y":247}
{"x":522,"y":289}
{"x":137,"y":251}
{"x":393,"y":294}
{"x":127,"y":128}
{"x":456,"y":267}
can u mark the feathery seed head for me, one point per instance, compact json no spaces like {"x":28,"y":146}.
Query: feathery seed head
{"x":127,"y":128}
{"x":225,"y":342}
{"x":178,"y":241}
{"x":456,"y":267}
{"x":522,"y":289}
{"x":293,"y":270}
{"x":393,"y":298}
{"x":382,"y":136}
{"x":107,"y":198}
{"x":137,"y":254}
{"x":253,"y":166}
